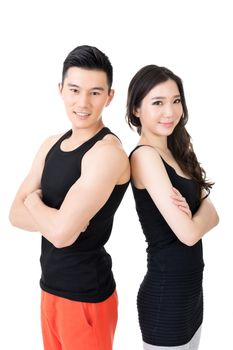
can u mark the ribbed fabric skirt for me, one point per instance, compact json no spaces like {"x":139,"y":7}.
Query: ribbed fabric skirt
{"x":170,"y":307}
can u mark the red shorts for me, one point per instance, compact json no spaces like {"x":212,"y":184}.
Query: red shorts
{"x":74,"y":325}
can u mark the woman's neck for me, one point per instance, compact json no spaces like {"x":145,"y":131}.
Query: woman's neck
{"x":159,"y":143}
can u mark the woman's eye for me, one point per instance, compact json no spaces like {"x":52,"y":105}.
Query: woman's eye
{"x":157,"y":103}
{"x":178,"y":100}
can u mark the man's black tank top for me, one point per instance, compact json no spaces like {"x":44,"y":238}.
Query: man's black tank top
{"x":81,"y":271}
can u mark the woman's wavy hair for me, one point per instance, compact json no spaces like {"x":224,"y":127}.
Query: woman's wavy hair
{"x":179,"y":142}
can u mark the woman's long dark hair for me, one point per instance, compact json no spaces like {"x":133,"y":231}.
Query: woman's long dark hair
{"x":179,"y":142}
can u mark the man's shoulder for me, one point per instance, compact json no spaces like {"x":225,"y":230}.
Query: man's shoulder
{"x":51,"y":140}
{"x":108,"y":159}
{"x":47,"y":144}
{"x":110,"y":145}
{"x":108,"y":150}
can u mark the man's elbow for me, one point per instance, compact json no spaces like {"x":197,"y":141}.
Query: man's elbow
{"x":12,"y":218}
{"x":56,"y":236}
{"x":60,"y":243}
{"x":63,"y":239}
{"x":216,"y":219}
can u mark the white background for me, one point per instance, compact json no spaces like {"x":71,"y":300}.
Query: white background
{"x":193,"y":38}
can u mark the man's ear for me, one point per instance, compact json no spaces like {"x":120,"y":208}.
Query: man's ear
{"x":110,"y":97}
{"x":60,"y":86}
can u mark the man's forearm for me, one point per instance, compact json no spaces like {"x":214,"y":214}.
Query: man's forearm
{"x":20,"y":217}
{"x":52,"y":223}
{"x":44,"y":216}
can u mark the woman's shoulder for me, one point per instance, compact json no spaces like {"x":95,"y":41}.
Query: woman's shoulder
{"x":146,"y":166}
{"x":144,"y":153}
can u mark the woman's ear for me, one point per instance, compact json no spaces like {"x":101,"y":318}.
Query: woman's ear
{"x":136,"y":112}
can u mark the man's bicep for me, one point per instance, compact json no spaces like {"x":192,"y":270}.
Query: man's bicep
{"x":29,"y":184}
{"x":100,"y":173}
{"x":19,"y":215}
{"x":89,"y":192}
{"x":33,"y":178}
{"x":80,"y":205}
{"x":88,"y":195}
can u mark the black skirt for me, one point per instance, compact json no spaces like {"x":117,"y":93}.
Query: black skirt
{"x":170,"y":307}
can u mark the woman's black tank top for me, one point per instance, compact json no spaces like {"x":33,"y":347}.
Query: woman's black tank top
{"x":82,"y":271}
{"x":170,"y":300}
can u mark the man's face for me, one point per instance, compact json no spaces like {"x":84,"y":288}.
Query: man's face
{"x":85,"y":93}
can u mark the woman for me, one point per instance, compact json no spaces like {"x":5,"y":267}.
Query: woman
{"x":166,"y":174}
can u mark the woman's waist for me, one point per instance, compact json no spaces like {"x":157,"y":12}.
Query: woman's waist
{"x":175,"y":260}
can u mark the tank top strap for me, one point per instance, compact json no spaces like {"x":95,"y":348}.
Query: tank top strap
{"x":103,"y":132}
{"x":58,"y":142}
{"x":82,"y":148}
{"x":138,"y":146}
{"x":100,"y":134}
{"x":97,"y":137}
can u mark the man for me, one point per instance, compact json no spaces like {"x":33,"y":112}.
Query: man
{"x":70,"y":196}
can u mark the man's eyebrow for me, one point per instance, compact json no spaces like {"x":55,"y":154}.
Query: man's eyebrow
{"x":93,"y":88}
{"x":73,"y":85}
{"x":97,"y":88}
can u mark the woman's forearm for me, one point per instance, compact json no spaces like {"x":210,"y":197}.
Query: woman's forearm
{"x":205,"y":218}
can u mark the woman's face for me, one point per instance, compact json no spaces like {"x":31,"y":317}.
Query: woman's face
{"x":161,"y":109}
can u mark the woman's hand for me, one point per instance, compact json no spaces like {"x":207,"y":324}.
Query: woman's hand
{"x":181,"y":203}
